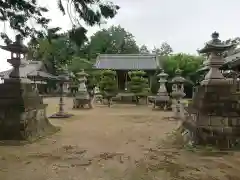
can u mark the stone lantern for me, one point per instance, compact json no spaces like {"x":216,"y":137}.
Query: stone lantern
{"x":162,"y":98}
{"x":177,"y":94}
{"x":62,"y":78}
{"x":213,"y":115}
{"x":82,"y":89}
{"x":82,"y":97}
{"x":22,"y":112}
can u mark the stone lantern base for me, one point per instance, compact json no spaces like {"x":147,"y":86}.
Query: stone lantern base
{"x":22,"y":113}
{"x":213,"y":117}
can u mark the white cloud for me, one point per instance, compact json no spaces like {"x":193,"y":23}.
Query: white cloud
{"x":185,"y":24}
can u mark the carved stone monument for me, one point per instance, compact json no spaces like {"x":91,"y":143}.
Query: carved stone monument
{"x":82,"y":97}
{"x":22,"y":112}
{"x":177,"y":94}
{"x":213,"y":117}
{"x":162,"y":99}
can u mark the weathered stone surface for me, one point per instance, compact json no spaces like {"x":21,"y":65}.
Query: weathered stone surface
{"x":22,"y":114}
{"x":213,"y":116}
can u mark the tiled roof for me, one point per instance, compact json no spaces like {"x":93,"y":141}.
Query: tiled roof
{"x":41,"y":74}
{"x":24,"y":70}
{"x":232,"y":57}
{"x":127,"y":61}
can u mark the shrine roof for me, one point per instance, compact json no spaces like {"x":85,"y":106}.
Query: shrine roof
{"x":127,"y":61}
{"x":233,"y":56}
{"x":29,"y":70}
{"x":232,"y":59}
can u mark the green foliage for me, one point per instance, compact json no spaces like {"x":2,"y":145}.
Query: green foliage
{"x":144,"y":50}
{"x":138,"y":84}
{"x":20,"y":14}
{"x":93,"y":78}
{"x":108,"y":83}
{"x":55,"y":53}
{"x":78,"y":63}
{"x":115,"y":40}
{"x":189,"y":64}
{"x":164,"y":50}
{"x":155,"y":84}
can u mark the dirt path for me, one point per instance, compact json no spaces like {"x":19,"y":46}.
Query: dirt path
{"x":123,"y":142}
{"x":92,"y":144}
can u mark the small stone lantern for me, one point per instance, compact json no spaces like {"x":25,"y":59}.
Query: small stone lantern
{"x":82,"y":89}
{"x":82,"y":97}
{"x":62,"y":78}
{"x":178,"y":93}
{"x":162,"y":98}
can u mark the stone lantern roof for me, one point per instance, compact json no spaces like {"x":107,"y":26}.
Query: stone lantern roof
{"x":178,"y":79}
{"x":162,"y":76}
{"x":16,"y":47}
{"x":82,"y":76}
{"x":82,"y":73}
{"x":215,"y":49}
{"x":215,"y":44}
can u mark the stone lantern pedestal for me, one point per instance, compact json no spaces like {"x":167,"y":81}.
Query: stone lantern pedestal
{"x":22,"y":112}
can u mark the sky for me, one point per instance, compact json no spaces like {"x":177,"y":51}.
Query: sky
{"x":186,"y":25}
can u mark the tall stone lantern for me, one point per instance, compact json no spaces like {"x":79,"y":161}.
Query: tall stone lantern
{"x":213,"y":115}
{"x":177,"y":94}
{"x":22,"y":112}
{"x":162,"y":98}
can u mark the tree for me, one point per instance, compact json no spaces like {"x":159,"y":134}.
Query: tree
{"x":165,"y":49}
{"x":19,"y":14}
{"x":108,"y":85}
{"x":55,"y":53}
{"x":156,"y":50}
{"x":189,"y":64}
{"x":115,"y":40}
{"x":79,"y":63}
{"x":138,"y":84}
{"x":144,"y":50}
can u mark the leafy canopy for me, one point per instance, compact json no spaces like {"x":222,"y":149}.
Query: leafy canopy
{"x":108,"y":83}
{"x":115,"y":40}
{"x":138,"y":84}
{"x":23,"y":16}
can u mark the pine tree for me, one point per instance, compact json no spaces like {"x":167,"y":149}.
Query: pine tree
{"x":108,"y":85}
{"x":138,"y":84}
